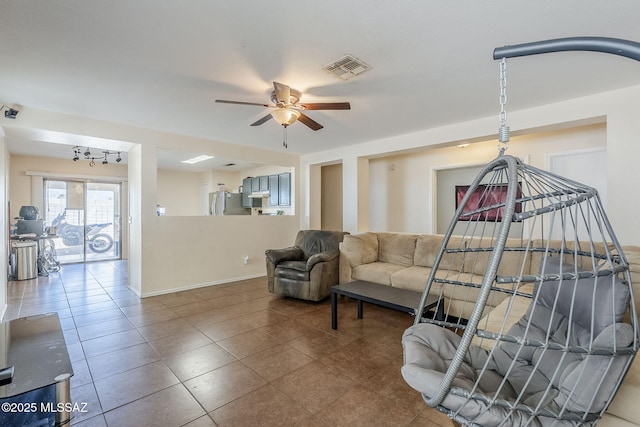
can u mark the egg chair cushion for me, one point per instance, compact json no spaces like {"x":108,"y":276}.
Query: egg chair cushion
{"x":559,"y":355}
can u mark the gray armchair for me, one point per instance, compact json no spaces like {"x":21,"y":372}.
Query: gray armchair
{"x":308,"y":269}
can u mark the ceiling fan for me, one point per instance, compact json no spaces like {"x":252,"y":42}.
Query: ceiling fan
{"x":287,"y":107}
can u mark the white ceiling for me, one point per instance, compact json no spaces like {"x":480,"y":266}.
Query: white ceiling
{"x":161,"y":64}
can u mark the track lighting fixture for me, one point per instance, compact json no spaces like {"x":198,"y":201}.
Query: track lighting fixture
{"x":77,"y":150}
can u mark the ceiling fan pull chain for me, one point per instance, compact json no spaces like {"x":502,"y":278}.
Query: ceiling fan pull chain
{"x":503,"y":132}
{"x":284,"y":137}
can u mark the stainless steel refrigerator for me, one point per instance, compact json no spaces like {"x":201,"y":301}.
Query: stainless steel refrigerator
{"x":225,"y":203}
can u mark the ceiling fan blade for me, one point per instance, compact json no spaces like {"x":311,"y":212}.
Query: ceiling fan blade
{"x":223,"y":101}
{"x":262,"y":120}
{"x":326,"y":106}
{"x":309,"y":122}
{"x":283,"y":93}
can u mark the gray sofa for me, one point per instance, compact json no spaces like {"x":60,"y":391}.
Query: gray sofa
{"x":405,"y":261}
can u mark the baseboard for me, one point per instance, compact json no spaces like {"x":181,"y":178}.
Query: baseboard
{"x":197,"y":285}
{"x":135,"y":291}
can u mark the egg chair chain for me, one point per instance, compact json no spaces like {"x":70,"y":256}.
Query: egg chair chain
{"x":503,"y":131}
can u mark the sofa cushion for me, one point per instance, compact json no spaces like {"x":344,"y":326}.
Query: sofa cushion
{"x":427,"y":247}
{"x":396,"y":248}
{"x":512,"y":262}
{"x":361,"y":248}
{"x":377,"y":272}
{"x":462,"y":299}
{"x":624,"y":405}
{"x":414,"y":279}
{"x":505,"y":314}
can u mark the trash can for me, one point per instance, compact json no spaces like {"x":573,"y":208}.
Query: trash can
{"x":24,"y":253}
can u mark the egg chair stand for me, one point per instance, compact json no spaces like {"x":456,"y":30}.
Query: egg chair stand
{"x":543,"y":326}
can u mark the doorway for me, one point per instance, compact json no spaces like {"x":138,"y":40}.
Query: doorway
{"x":85,"y":218}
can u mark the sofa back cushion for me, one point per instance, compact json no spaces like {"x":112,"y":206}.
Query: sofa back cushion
{"x":512,"y":262}
{"x":427,"y":247}
{"x":396,"y":248}
{"x":583,"y":262}
{"x":360,"y":248}
{"x":632,"y":253}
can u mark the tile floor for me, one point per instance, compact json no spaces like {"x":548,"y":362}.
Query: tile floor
{"x":227,"y":355}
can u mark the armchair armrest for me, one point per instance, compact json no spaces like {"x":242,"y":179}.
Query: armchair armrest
{"x":322,"y":257}
{"x":292,"y":253}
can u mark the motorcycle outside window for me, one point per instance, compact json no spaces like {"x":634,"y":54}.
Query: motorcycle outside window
{"x":83,"y":219}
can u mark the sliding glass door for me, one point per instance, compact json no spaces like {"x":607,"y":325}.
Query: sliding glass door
{"x":84,"y":217}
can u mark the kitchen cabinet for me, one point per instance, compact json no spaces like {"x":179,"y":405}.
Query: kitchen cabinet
{"x":284,"y":189}
{"x":264,"y":183}
{"x":274,"y":190}
{"x":278,"y":186}
{"x":248,"y":202}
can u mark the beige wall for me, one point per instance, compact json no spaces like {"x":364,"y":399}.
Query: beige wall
{"x":617,"y":110}
{"x":331,"y":203}
{"x":402,"y":188}
{"x":231,"y":180}
{"x":174,"y":253}
{"x":178,"y":192}
{"x":20,"y":190}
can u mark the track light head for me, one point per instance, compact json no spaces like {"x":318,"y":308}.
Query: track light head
{"x":118,"y":159}
{"x":87,"y":153}
{"x":76,"y":158}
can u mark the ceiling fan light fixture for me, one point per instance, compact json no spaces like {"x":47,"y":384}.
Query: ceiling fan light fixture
{"x":285,"y":116}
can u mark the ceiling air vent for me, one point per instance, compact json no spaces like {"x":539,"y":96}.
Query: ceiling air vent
{"x":346,"y":67}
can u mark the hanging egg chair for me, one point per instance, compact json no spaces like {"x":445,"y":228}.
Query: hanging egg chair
{"x":543,"y":325}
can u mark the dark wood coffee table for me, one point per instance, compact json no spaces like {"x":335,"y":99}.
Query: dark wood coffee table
{"x":382,"y":295}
